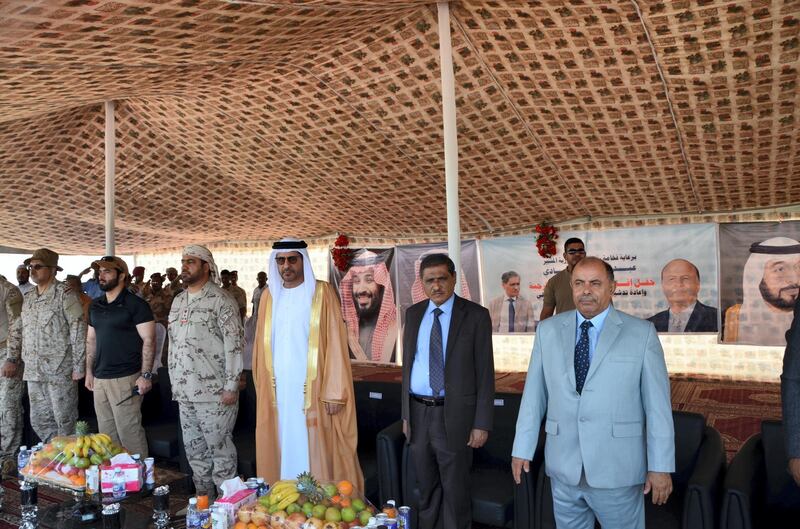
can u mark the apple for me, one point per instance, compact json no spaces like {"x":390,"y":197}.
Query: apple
{"x":348,"y":514}
{"x":313,"y":523}
{"x":258,"y":517}
{"x":308,"y":507}
{"x":364,"y":517}
{"x":293,"y":508}
{"x":332,"y":514}
{"x":295,"y":520}
{"x":319,"y":511}
{"x":358,"y":504}
{"x":277,"y":519}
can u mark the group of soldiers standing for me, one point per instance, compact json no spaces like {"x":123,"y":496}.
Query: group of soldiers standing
{"x":43,"y":342}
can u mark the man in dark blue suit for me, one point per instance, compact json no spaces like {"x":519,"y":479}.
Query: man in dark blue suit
{"x":680,"y":281}
{"x":448,"y":393}
{"x":790,"y":394}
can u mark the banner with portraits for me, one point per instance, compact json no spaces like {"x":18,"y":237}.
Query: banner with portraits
{"x":369,"y":306}
{"x":667,"y":274}
{"x":406,"y":271}
{"x":760,"y":280}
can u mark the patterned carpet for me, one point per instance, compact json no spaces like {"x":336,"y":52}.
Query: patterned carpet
{"x":736,"y":409}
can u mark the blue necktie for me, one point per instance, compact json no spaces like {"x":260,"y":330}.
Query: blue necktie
{"x":436,"y":356}
{"x":582,"y":356}
{"x":511,"y":315}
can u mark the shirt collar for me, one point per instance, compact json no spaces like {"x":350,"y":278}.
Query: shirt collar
{"x":446,"y":307}
{"x":509,"y":298}
{"x":597,"y":321}
{"x":684,"y":313}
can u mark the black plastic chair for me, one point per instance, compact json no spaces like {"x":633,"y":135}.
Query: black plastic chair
{"x":758,"y":491}
{"x":696,"y":482}
{"x":377,"y":406}
{"x":492,"y":486}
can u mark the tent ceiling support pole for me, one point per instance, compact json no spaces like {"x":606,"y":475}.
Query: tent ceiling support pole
{"x":110,"y":155}
{"x":450,"y":137}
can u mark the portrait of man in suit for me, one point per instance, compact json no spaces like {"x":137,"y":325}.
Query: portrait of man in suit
{"x":598,"y":377}
{"x":680,"y":281}
{"x":511,"y":312}
{"x":447,"y":393}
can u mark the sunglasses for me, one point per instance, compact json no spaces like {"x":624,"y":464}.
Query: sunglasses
{"x":37,"y":267}
{"x":292,"y":259}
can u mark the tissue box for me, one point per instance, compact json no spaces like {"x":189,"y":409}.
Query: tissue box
{"x":232,"y":503}
{"x":131,"y":471}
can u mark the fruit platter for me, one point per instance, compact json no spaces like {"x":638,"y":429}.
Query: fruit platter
{"x":63,"y":461}
{"x":305,"y":503}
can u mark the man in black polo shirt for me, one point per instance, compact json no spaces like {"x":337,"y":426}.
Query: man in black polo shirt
{"x":120,"y":343}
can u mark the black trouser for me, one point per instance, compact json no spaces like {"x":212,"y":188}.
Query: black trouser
{"x":442,"y":474}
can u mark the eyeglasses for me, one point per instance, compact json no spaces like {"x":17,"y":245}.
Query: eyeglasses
{"x":37,"y":267}
{"x":573,"y":251}
{"x":292,"y":259}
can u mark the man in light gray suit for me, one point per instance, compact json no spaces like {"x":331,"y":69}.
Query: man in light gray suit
{"x":600,"y":378}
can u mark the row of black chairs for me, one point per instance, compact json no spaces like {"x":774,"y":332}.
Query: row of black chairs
{"x":754,"y":491}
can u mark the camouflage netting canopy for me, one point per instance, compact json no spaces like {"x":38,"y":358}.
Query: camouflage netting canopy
{"x":250,"y":120}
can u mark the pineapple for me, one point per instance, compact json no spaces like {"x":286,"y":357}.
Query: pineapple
{"x":308,"y":486}
{"x":81,"y":428}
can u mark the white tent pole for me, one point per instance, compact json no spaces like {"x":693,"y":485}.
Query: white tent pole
{"x":450,"y":137}
{"x":111,"y":148}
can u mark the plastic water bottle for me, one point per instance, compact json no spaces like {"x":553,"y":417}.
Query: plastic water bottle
{"x":263,"y":488}
{"x":192,"y":518}
{"x":23,"y":458}
{"x":118,"y":484}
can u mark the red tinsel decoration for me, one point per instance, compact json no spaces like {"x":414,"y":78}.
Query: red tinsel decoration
{"x":546,"y":239}
{"x":341,"y":253}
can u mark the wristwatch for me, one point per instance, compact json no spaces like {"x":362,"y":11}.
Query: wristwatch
{"x":147,"y":375}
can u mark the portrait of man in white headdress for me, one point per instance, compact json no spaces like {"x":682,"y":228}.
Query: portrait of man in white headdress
{"x":770,"y":288}
{"x":368,"y":306}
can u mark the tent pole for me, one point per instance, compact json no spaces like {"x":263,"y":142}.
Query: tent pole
{"x":110,"y":154}
{"x":450,"y":137}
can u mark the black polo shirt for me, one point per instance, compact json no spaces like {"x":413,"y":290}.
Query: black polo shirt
{"x":119,"y":346}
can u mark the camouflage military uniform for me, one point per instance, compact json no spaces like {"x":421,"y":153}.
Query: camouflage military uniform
{"x":174,"y":287}
{"x":159,"y":303}
{"x":238,"y":294}
{"x":53,"y":335}
{"x":205,"y":343}
{"x":10,"y":388}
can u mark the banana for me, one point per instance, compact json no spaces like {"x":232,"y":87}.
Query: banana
{"x":104,"y":438}
{"x":277,"y":495}
{"x":288,"y":500}
{"x":97,"y":446}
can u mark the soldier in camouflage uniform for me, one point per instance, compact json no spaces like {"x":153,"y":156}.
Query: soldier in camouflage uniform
{"x":159,"y":299}
{"x":205,"y":361}
{"x":11,"y":375}
{"x":53,"y":335}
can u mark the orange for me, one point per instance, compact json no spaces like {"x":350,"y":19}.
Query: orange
{"x":251,"y":525}
{"x":345,"y":502}
{"x":345,"y":487}
{"x":240,"y":525}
